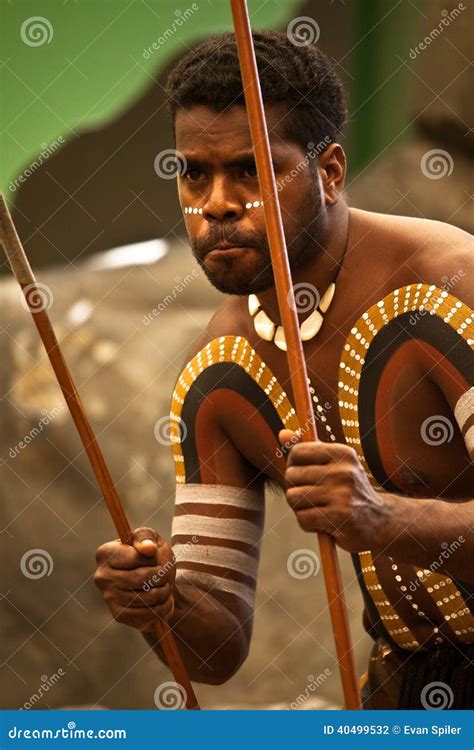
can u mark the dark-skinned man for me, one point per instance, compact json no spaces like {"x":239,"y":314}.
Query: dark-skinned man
{"x":384,"y":306}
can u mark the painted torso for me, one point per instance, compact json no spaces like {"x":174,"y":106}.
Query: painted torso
{"x":376,"y":369}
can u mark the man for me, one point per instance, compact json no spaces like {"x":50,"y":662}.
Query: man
{"x":384,"y":305}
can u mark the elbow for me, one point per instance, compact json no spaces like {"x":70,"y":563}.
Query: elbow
{"x":223,"y":667}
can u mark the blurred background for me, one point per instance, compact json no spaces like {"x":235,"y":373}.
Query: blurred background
{"x":81,"y":126}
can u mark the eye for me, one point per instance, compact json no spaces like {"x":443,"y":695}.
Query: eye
{"x":250,"y":170}
{"x":193,"y":175}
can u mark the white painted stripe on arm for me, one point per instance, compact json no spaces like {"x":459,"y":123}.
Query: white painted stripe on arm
{"x":208,"y":582}
{"x":220,"y":528}
{"x":221,"y":557}
{"x":219,"y":494}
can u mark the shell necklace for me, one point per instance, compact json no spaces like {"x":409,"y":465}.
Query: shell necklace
{"x":269,"y":331}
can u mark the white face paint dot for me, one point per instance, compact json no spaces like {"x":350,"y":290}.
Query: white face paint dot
{"x":195,"y":210}
{"x":256,"y":204}
{"x":248,"y":205}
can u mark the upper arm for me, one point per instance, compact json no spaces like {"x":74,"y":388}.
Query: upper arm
{"x":219,"y":506}
{"x":452,"y":370}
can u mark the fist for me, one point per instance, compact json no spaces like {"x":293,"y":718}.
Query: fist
{"x":137,"y":580}
{"x":328,"y":490}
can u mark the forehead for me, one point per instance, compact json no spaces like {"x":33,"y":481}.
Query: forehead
{"x":201,"y":127}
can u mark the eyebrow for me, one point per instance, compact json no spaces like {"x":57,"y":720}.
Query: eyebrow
{"x":239,"y":160}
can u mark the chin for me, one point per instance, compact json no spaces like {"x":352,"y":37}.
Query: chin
{"x":238,"y":285}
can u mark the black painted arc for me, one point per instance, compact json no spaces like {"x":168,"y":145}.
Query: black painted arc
{"x":408,"y":326}
{"x":233,"y":377}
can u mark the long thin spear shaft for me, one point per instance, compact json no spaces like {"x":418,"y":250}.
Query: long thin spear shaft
{"x":287,"y":307}
{"x":34,"y":296}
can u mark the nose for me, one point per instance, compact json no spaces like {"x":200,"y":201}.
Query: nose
{"x":222,"y":204}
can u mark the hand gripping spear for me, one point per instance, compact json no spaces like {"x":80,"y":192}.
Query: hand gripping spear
{"x":33,"y":296}
{"x":287,"y":307}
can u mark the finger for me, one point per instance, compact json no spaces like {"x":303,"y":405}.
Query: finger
{"x":142,"y":617}
{"x":288,"y":438}
{"x":307,"y":474}
{"x":306,"y":497}
{"x":151,"y":598}
{"x":311,"y":452}
{"x":139,"y":579}
{"x":145,"y":541}
{"x":314,"y":520}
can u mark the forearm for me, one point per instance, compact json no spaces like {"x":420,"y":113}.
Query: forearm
{"x":210,"y":638}
{"x":430,"y":533}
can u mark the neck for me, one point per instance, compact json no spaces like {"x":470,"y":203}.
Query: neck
{"x":320,"y":271}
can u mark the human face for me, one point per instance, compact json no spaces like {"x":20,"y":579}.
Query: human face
{"x":227,"y":237}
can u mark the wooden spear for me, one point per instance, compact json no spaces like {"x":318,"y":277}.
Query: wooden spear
{"x":287,"y":307}
{"x":34,"y":294}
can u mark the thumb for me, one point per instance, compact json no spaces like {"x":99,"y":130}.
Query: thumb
{"x":288,"y":438}
{"x":145,"y":541}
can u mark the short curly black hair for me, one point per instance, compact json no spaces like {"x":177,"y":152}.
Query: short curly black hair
{"x":300,"y":76}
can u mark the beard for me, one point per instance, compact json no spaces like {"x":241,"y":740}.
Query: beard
{"x":304,"y":240}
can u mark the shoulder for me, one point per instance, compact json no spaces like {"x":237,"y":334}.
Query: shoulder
{"x":421,"y":250}
{"x":228,"y":320}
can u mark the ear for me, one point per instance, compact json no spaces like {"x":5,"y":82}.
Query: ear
{"x":332,"y":171}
